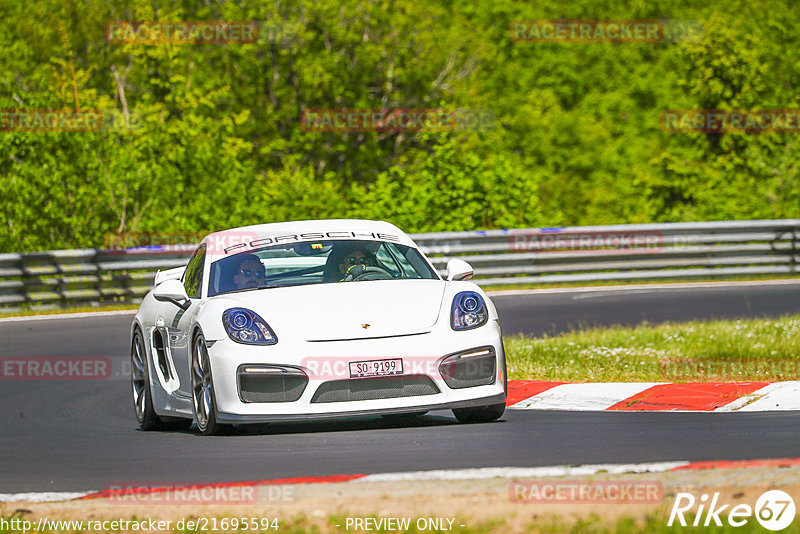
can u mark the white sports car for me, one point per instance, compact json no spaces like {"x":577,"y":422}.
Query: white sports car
{"x":309,"y":320}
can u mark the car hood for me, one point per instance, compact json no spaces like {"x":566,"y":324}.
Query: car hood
{"x":347,"y":310}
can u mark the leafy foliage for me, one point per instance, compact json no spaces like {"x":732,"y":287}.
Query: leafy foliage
{"x":209,"y":136}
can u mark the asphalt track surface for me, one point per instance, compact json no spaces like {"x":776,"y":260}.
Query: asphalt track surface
{"x":82,"y":435}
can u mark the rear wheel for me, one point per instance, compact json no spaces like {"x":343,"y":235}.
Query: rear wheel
{"x":140,"y":384}
{"x":142,"y":393}
{"x":205,"y":405}
{"x":480,"y":414}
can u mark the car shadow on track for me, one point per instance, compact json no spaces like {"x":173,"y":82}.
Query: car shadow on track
{"x":339,"y":425}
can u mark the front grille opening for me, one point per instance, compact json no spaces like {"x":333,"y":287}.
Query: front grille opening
{"x":390,"y":387}
{"x":276,"y":385}
{"x":477,"y":367}
{"x":161,"y":354}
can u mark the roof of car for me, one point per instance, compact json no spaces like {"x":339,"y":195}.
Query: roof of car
{"x":235,"y":240}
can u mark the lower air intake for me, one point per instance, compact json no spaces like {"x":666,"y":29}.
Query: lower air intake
{"x":375,"y":388}
{"x":285,"y":386}
{"x":474,"y":367}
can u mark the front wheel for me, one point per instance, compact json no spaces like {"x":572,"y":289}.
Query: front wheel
{"x":205,"y":406}
{"x":480,"y":414}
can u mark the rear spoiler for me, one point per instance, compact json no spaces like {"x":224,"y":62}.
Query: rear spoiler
{"x":169,"y":274}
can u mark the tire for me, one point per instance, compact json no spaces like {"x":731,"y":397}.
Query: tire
{"x":481,"y":414}
{"x":203,"y":399}
{"x":140,"y":385}
{"x":142,"y":392}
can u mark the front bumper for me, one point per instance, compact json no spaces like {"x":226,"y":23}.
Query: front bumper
{"x":326,"y":362}
{"x":229,"y":418}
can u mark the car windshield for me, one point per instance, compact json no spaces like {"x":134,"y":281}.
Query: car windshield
{"x":317,"y":262}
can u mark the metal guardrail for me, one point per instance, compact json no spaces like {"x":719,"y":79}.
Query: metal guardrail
{"x":499,"y":257}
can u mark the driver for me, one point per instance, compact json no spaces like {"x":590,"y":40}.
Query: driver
{"x":355,"y":263}
{"x":250,"y":273}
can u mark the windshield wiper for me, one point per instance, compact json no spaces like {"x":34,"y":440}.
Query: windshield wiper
{"x":262,"y":286}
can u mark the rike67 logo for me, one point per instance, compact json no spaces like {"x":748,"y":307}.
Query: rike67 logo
{"x":774,"y":510}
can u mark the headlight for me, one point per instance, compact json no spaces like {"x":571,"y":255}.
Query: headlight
{"x":469,"y":311}
{"x":245,"y":326}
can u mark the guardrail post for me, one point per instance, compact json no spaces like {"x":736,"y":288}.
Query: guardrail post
{"x":26,"y":274}
{"x":24,"y":277}
{"x":98,"y":283}
{"x":60,"y":274}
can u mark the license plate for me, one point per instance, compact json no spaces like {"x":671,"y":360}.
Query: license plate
{"x":376,"y":368}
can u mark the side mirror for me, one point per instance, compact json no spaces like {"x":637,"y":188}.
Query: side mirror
{"x":459,"y":270}
{"x":171,"y":291}
{"x":169,"y":274}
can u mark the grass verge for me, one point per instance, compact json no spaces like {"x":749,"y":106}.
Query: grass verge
{"x":697,"y":351}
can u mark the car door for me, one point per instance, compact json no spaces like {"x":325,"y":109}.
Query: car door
{"x":171,"y":343}
{"x":180,"y":342}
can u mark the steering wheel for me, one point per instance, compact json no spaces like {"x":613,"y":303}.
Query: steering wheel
{"x":366,"y":272}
